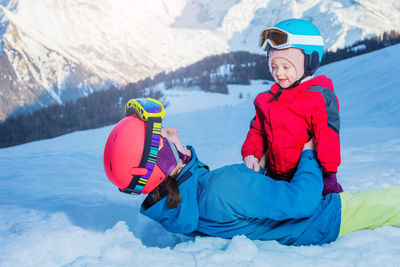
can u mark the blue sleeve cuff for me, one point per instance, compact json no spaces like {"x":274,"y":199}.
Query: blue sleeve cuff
{"x":308,"y":159}
{"x":309,"y":153}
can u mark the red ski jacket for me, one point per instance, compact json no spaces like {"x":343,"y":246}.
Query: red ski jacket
{"x":286,"y":120}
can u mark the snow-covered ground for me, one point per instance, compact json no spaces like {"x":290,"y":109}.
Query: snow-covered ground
{"x":57,"y":207}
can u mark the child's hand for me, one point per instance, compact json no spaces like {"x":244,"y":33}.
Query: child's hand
{"x":252,"y":162}
{"x":310,"y":144}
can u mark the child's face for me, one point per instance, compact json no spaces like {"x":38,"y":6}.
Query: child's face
{"x":283,"y":71}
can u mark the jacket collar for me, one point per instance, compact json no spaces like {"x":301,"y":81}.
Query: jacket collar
{"x":184,"y":218}
{"x":321,"y":80}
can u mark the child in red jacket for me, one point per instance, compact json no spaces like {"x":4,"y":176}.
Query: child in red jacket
{"x":296,"y":108}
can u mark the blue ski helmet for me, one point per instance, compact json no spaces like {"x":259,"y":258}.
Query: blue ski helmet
{"x":297,"y":33}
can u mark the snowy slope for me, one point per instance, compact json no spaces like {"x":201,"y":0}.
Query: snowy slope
{"x":58,"y":208}
{"x":55,"y":51}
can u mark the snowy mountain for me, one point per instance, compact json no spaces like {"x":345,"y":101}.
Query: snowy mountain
{"x":57,"y":208}
{"x":54,"y":51}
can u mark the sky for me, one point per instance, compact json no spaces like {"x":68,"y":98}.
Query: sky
{"x":57,"y":208}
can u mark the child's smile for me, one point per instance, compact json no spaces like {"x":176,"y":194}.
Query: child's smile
{"x":283,"y":71}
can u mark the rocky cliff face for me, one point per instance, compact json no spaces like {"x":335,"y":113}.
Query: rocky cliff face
{"x":29,"y":82}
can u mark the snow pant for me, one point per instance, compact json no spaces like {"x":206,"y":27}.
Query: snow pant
{"x":370,"y":209}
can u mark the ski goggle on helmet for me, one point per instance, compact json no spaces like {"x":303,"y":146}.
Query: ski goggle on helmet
{"x":297,"y":33}
{"x":133,"y":146}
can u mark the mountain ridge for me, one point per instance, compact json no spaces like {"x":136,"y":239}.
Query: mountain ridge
{"x":59,"y":50}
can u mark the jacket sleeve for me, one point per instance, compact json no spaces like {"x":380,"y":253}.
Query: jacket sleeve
{"x":270,"y":199}
{"x":255,"y":140}
{"x":325,"y":122}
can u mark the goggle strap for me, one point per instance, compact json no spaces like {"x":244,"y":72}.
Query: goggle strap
{"x":149,"y":156}
{"x":306,"y":40}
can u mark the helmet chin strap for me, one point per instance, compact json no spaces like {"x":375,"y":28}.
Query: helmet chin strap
{"x":275,"y":97}
{"x":298,"y":81}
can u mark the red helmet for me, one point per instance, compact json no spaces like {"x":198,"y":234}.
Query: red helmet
{"x":123,"y":155}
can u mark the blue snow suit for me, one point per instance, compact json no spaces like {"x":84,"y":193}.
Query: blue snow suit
{"x":235,"y":200}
